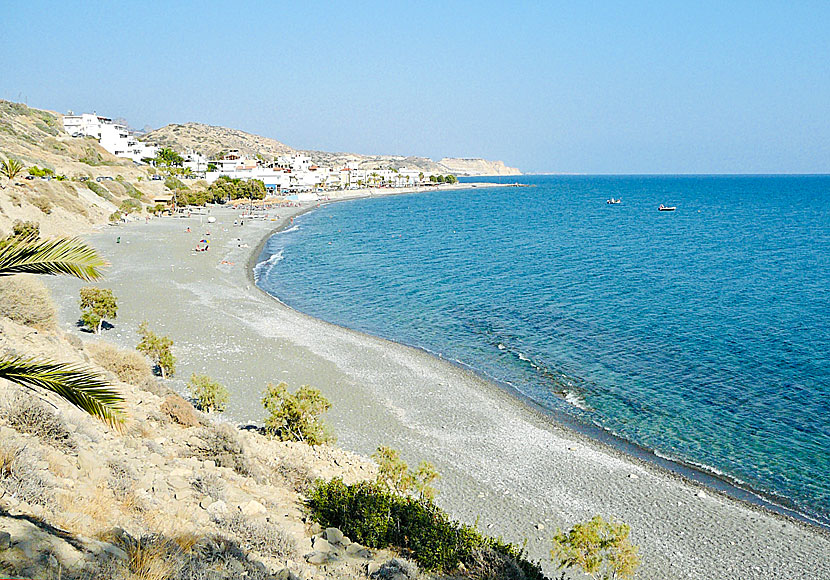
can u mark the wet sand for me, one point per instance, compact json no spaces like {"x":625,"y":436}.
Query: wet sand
{"x":506,"y":466}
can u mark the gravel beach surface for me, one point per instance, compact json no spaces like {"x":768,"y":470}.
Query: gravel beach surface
{"x":514,"y":472}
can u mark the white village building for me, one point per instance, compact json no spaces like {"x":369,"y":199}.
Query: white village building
{"x":114,"y":137}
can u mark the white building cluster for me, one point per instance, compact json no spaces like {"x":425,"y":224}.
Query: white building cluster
{"x":114,"y":137}
{"x":296,"y":173}
{"x":286,"y":174}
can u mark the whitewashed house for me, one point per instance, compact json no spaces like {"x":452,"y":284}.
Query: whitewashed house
{"x":114,"y":137}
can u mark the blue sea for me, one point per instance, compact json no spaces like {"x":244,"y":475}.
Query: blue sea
{"x":702,"y":334}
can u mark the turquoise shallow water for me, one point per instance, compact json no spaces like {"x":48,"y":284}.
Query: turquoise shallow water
{"x":703,"y":334}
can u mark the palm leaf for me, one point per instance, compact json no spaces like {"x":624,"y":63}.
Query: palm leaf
{"x":59,"y":256}
{"x":79,"y":386}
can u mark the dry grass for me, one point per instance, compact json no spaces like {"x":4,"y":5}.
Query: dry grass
{"x":294,"y":474}
{"x":28,"y":415}
{"x":122,"y":478}
{"x":261,"y":535}
{"x":20,"y":476}
{"x":221,"y":444}
{"x":26,"y":300}
{"x":129,"y":366}
{"x":151,"y":560}
{"x":209,"y":484}
{"x":152,"y":385}
{"x":86,"y":514}
{"x":43,"y":203}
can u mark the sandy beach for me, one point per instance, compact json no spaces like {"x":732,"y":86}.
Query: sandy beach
{"x":505,"y":466}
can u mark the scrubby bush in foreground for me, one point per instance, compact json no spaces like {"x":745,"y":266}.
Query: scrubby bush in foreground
{"x":26,"y":415}
{"x":372,"y":515}
{"x":209,"y":394}
{"x":26,"y":300}
{"x":129,"y":366}
{"x":296,"y":417}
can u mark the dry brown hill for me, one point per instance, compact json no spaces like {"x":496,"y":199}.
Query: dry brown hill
{"x":210,"y":140}
{"x":36,"y":138}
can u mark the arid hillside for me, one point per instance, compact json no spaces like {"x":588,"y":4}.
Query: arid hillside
{"x":210,"y":141}
{"x":69,"y":200}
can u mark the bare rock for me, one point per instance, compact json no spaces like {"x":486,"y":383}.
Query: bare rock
{"x":253,"y":508}
{"x":333,"y":536}
{"x":217,"y":509}
{"x":5,"y":540}
{"x":357,"y":551}
{"x":321,"y":545}
{"x":318,"y":558}
{"x":286,"y":574}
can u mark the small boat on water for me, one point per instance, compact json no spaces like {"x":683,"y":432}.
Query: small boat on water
{"x":613,"y":201}
{"x":666,"y":208}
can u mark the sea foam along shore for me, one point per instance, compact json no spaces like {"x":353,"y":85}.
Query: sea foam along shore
{"x":514,"y":471}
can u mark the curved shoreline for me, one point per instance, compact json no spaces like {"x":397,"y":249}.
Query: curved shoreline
{"x":506,"y":464}
{"x":609,"y":442}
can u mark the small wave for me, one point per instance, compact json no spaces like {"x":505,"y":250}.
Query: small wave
{"x":524,"y":358}
{"x":265,"y":265}
{"x":501,"y":347}
{"x":291,"y":229}
{"x":576,"y":400}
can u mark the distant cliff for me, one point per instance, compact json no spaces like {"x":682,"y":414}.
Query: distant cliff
{"x":467,"y":166}
{"x":211,"y":140}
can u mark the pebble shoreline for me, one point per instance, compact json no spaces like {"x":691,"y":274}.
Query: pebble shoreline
{"x":514,"y":471}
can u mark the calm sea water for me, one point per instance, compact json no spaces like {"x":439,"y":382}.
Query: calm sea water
{"x":703,"y":334}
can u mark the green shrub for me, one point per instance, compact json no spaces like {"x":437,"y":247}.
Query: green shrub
{"x":38,"y":172}
{"x":173,"y":183}
{"x":132,"y":191}
{"x":22,"y":230}
{"x":600,"y":549}
{"x":372,"y":515}
{"x":91,"y":157}
{"x":158,"y":348}
{"x":97,"y":304}
{"x":130,"y":205}
{"x":296,"y":417}
{"x":100,"y":190}
{"x":209,"y":394}
{"x":394,"y":474}
{"x":115,"y":216}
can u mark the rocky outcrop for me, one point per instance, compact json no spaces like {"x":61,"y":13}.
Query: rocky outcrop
{"x":476,"y":166}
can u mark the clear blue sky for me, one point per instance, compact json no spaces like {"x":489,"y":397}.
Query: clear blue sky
{"x":583,"y":87}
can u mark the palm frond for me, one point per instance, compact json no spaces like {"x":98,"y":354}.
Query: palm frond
{"x":59,"y":256}
{"x":78,"y":385}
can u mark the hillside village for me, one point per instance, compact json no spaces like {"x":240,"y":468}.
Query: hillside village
{"x":290,"y":172}
{"x":171,"y":492}
{"x":77,"y":171}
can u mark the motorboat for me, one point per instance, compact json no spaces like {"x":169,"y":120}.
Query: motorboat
{"x":666,"y":208}
{"x":613,"y":201}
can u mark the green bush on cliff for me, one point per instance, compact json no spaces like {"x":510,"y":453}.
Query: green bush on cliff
{"x":372,"y":515}
{"x":394,"y":474}
{"x":210,"y":395}
{"x":158,"y":348}
{"x":296,"y":417}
